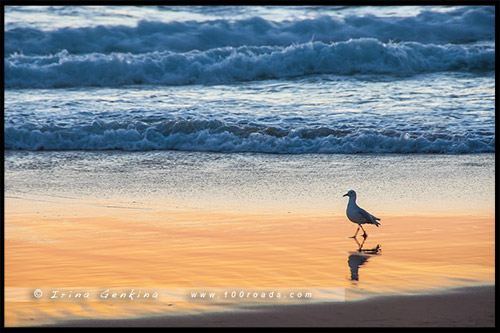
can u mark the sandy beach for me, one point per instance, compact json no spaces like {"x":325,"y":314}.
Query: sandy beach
{"x":463,"y":307}
{"x":114,"y":233}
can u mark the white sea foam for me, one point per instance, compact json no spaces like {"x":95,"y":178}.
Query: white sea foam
{"x":302,"y":80}
{"x":218,"y":137}
{"x":246,"y":63}
{"x":466,"y":24}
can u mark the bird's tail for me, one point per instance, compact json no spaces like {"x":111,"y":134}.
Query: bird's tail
{"x":375,"y":219}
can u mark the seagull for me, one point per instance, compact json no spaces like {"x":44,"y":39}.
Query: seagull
{"x":358,"y":215}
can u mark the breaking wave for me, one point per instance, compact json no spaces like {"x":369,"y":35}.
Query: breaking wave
{"x":246,"y":63}
{"x":217,"y":136}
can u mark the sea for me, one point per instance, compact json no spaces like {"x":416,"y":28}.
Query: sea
{"x":250,"y":79}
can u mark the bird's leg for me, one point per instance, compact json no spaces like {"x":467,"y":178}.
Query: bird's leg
{"x":364,"y":232}
{"x":360,"y":246}
{"x":356,"y":232}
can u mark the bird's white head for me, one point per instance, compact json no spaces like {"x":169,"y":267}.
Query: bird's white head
{"x":350,"y":194}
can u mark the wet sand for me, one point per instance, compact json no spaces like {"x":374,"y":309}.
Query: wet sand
{"x":463,"y":307}
{"x":120,"y":248}
{"x":87,"y":226}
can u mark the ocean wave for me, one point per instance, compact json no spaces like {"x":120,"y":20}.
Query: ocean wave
{"x":228,"y":64}
{"x":217,"y":136}
{"x":462,"y":25}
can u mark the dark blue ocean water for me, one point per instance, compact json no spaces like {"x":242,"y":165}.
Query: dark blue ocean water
{"x":250,"y":79}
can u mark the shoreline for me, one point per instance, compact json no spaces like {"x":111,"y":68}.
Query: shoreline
{"x":457,"y":307}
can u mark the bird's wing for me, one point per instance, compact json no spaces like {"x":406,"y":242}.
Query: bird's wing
{"x":368,"y":217}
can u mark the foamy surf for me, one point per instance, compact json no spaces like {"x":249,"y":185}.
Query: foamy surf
{"x":216,"y":136}
{"x":246,"y":63}
{"x":459,"y":25}
{"x":304,"y":80}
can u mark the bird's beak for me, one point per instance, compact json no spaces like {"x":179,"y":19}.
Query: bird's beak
{"x":345,"y":195}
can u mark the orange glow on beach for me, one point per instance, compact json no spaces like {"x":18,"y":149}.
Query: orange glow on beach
{"x":120,"y":248}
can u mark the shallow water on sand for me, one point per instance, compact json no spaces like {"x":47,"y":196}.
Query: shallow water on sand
{"x":387,"y":184}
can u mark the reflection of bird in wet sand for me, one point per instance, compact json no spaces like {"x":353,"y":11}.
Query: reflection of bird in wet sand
{"x":357,"y":259}
{"x":358,"y":215}
{"x":354,"y":262}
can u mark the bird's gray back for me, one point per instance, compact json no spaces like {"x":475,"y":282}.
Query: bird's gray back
{"x":358,"y":215}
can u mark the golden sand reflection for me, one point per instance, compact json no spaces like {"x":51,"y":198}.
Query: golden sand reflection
{"x":102,"y":247}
